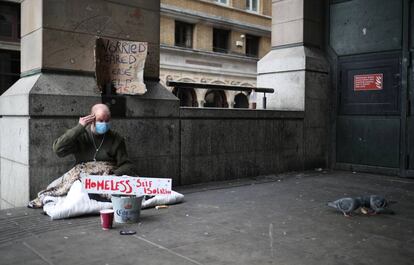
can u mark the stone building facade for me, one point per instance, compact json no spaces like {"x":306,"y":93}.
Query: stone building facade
{"x":317,"y":117}
{"x":189,"y":145}
{"x":215,"y":42}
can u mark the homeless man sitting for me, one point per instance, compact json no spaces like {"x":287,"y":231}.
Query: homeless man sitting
{"x":97,"y":149}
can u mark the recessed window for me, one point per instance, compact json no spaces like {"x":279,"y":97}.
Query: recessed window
{"x":9,"y":69}
{"x":187,"y":96}
{"x":224,"y":2}
{"x":252,"y":5}
{"x":9,"y":22}
{"x":215,"y":99}
{"x":252,"y":46}
{"x":183,"y":34}
{"x":221,"y":40}
{"x":241,"y":101}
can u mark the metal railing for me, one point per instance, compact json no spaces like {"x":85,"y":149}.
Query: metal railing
{"x":191,"y":85}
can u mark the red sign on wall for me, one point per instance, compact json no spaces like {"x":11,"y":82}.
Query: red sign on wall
{"x":368,"y":82}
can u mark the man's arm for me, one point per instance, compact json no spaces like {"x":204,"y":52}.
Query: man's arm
{"x":123,"y":164}
{"x":67,"y":144}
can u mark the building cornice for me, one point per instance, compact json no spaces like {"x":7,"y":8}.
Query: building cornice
{"x":220,"y":72}
{"x":195,"y":16}
{"x":214,"y":58}
{"x":208,"y":53}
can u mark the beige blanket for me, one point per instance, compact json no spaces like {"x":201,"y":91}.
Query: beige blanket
{"x":61,"y":186}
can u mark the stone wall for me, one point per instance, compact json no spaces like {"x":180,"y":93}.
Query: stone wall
{"x":221,"y":144}
{"x":297,"y":69}
{"x":190,"y":145}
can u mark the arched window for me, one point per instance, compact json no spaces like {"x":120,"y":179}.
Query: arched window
{"x":215,"y":99}
{"x":187,"y":97}
{"x":241,"y":101}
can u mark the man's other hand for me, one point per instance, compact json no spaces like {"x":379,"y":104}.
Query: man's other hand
{"x":84,"y":121}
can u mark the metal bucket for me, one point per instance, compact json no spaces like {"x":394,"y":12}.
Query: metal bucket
{"x":126,"y":208}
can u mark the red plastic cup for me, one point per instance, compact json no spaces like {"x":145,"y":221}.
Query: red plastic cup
{"x":107,"y":217}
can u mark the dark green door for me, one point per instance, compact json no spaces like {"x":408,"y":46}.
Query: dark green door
{"x":367,"y":47}
{"x":368,"y":122}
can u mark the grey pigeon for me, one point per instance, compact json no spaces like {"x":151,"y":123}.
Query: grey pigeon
{"x":376,"y":203}
{"x":346,"y":205}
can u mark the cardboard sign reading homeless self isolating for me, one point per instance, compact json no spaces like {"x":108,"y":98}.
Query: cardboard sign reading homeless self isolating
{"x":125,"y":185}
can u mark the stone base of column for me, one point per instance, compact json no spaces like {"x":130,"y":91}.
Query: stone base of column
{"x":39,"y":108}
{"x":300,"y":78}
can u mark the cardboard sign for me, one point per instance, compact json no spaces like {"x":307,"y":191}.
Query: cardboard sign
{"x":120,"y":66}
{"x":368,"y":82}
{"x":125,"y":185}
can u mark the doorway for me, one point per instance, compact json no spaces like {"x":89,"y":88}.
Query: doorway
{"x":370,"y":43}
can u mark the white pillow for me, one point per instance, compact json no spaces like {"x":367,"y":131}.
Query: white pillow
{"x":172,"y":198}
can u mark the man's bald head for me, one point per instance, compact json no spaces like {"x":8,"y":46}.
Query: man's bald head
{"x":101,"y":112}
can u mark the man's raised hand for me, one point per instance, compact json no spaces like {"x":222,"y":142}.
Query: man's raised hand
{"x":84,"y":121}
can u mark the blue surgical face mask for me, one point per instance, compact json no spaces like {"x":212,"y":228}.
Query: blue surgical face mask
{"x":102,"y":127}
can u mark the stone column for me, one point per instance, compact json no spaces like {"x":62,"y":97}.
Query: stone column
{"x":298,"y":71}
{"x":58,"y":86}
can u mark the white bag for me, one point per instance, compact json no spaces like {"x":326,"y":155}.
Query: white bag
{"x":172,"y":198}
{"x":76,"y":203}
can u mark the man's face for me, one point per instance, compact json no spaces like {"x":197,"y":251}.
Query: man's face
{"x":100,"y":116}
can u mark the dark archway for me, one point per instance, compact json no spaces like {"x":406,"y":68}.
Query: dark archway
{"x":241,"y":101}
{"x":187,"y":97}
{"x":215,"y":99}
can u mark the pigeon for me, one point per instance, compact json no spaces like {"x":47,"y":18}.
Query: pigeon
{"x":375,"y":204}
{"x":371,"y":204}
{"x":346,"y":205}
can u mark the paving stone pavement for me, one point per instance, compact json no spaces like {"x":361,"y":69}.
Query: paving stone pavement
{"x":277,"y":219}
